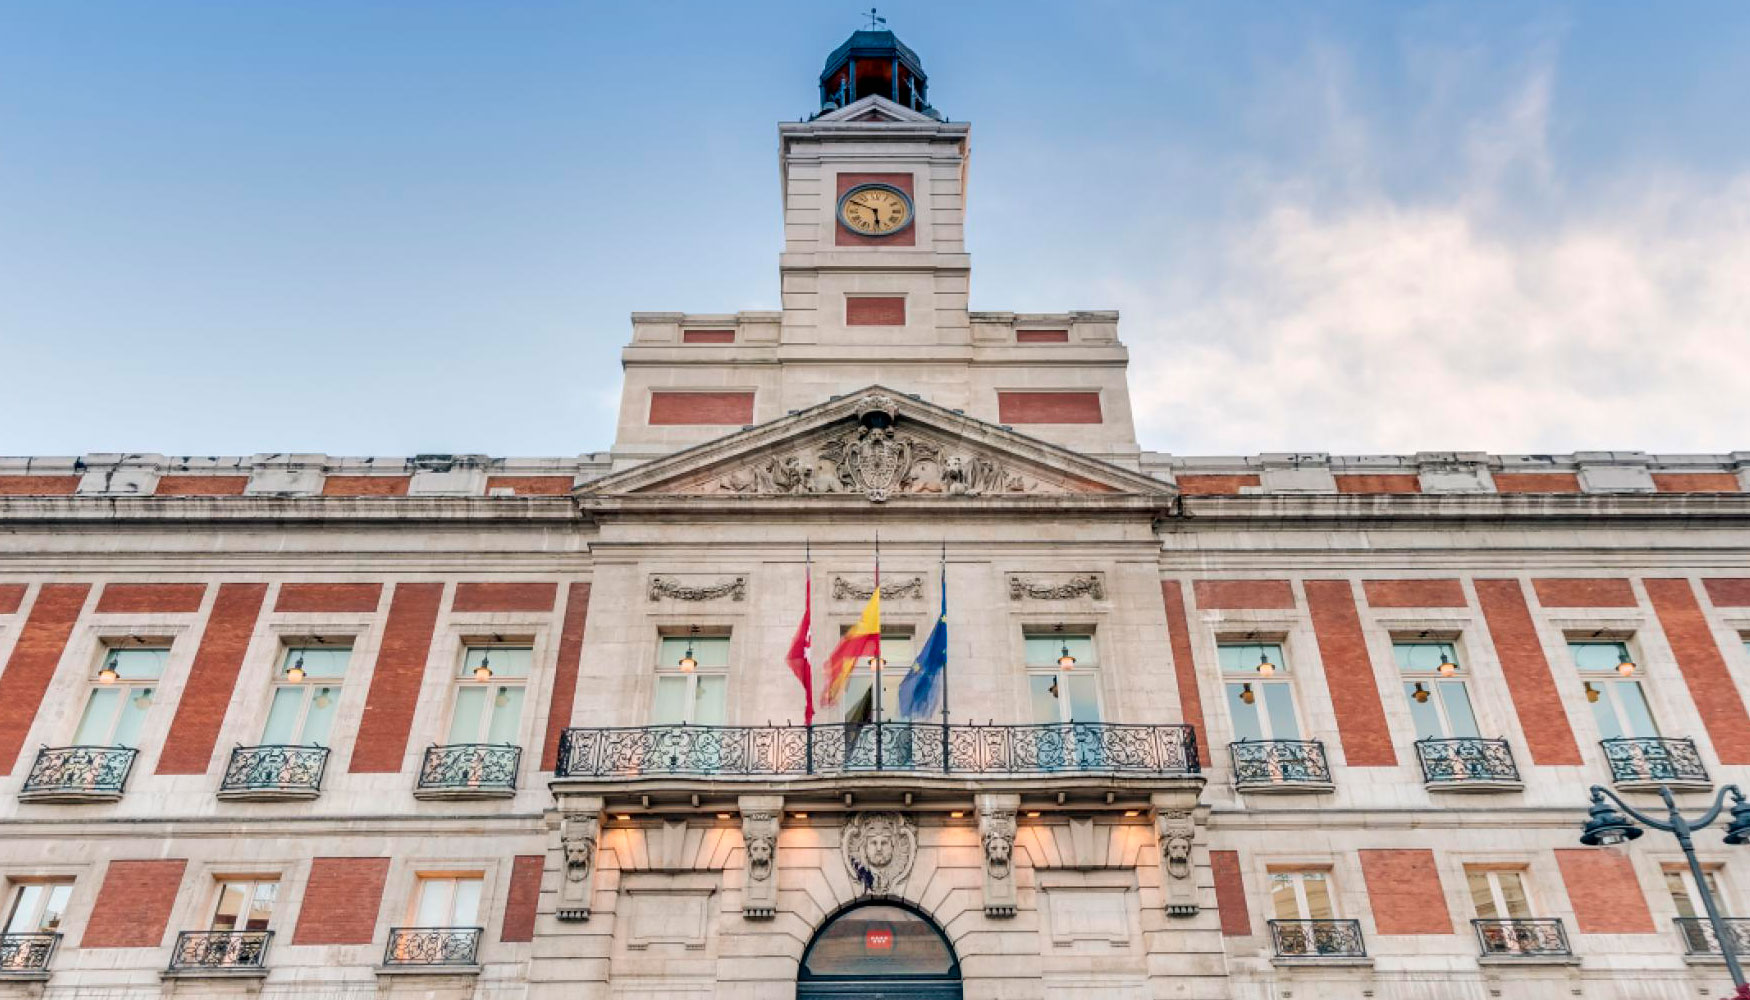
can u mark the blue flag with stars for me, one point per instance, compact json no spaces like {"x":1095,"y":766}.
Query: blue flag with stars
{"x":920,"y":694}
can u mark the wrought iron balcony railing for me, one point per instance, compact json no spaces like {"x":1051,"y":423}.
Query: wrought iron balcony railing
{"x":469,"y":770}
{"x":1699,"y":938}
{"x":1522,"y":938}
{"x":419,"y":947}
{"x":27,"y":954}
{"x":274,"y":772}
{"x":78,"y":774}
{"x":1655,"y":760}
{"x":889,"y":746}
{"x":1317,"y":938}
{"x":220,"y":951}
{"x":1280,"y":765}
{"x":1467,"y":761}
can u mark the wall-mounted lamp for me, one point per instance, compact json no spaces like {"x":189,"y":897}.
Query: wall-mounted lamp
{"x":1446,"y":668}
{"x":109,"y":674}
{"x":483,"y":669}
{"x":1420,"y":693}
{"x":1064,"y":660}
{"x":1246,"y":694}
{"x":688,"y":663}
{"x":1625,"y":666}
{"x":295,"y":672}
{"x":1265,"y":667}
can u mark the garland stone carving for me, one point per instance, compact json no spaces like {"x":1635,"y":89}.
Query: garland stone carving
{"x":660,"y":587}
{"x":845,"y":590}
{"x":1080,"y":586}
{"x":996,"y":835}
{"x":879,"y":848}
{"x":878,"y":463}
{"x":1178,"y":831}
{"x":578,"y":834}
{"x":759,"y":831}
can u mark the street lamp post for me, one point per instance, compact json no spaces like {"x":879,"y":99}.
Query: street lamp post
{"x":1605,"y":826}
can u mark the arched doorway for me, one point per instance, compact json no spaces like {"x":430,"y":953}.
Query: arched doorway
{"x":883,"y":950}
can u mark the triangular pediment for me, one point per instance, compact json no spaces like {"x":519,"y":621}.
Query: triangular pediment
{"x":874,"y":108}
{"x":877,"y":445}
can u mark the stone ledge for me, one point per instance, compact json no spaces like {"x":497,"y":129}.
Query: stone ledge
{"x":253,"y":972}
{"x":429,"y":970}
{"x":1312,"y":962}
{"x":1505,"y":960}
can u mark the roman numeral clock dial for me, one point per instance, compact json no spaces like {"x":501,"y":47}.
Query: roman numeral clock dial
{"x":875,"y":210}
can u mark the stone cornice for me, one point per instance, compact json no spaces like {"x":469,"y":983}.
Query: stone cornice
{"x":258,"y":509}
{"x":1283,"y":510}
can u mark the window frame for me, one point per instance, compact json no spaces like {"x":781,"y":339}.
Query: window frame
{"x":462,"y":679}
{"x":255,"y":881}
{"x":1492,"y":873}
{"x":52,"y":883}
{"x":1282,"y":679}
{"x":422,"y":877}
{"x":1432,"y":680}
{"x":1296,"y":875}
{"x":289,"y":645}
{"x":1089,"y":673}
{"x":662,"y":671}
{"x":1608,"y":683}
{"x":128,"y":688}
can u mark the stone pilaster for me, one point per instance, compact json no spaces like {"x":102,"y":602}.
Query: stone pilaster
{"x":761,"y":817}
{"x":996,"y":836}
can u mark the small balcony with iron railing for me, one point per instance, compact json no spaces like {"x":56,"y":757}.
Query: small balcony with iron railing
{"x":1651,"y":762}
{"x":78,"y":774}
{"x":469,"y":771}
{"x":1702,"y":945}
{"x":268,"y":773}
{"x":27,"y":956}
{"x":1468,"y":764}
{"x":1280,"y":766}
{"x":240,"y":954}
{"x":1526,"y":940}
{"x":1321,"y":942}
{"x":443,"y":950}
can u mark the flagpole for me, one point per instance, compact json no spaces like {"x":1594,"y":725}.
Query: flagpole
{"x":808,"y":612}
{"x":877,"y":661}
{"x":942,"y":602}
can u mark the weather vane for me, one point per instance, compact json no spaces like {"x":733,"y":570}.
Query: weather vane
{"x":875,"y":20}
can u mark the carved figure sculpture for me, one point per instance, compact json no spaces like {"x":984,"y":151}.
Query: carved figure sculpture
{"x":879,"y":848}
{"x":578,"y":834}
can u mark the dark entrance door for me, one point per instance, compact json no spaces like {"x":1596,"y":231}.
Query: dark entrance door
{"x":879,"y":951}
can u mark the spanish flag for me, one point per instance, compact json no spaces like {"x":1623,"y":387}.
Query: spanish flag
{"x":864,"y":639}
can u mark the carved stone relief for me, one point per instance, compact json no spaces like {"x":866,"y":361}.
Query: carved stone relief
{"x":1177,"y":829}
{"x":862,"y":590}
{"x":996,"y":836}
{"x":579,"y":833}
{"x":759,"y":832}
{"x":670,"y":588}
{"x":1088,"y":585}
{"x":879,"y":848}
{"x":878,"y":463}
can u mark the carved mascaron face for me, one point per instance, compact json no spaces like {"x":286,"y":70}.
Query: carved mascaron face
{"x":878,"y":847}
{"x":875,"y":210}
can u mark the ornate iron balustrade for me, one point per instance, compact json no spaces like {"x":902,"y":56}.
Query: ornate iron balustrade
{"x":1280,"y":764}
{"x":1528,"y":938}
{"x":27,"y":954}
{"x":219,"y":950}
{"x":1699,"y":938}
{"x":275,"y":771}
{"x":1654,"y":760}
{"x":79,"y":772}
{"x":464,"y":768}
{"x":888,"y":746}
{"x":1467,"y":760}
{"x":1317,"y":938}
{"x":432,"y":946}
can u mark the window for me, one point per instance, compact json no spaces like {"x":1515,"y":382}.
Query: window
{"x":1260,"y":701}
{"x":305,"y":695}
{"x":1681,"y":885}
{"x":1619,"y":705}
{"x":1434,"y":685}
{"x":897,"y":650}
{"x":1060,"y":692}
{"x":446,"y":900}
{"x":37,"y":907}
{"x":489,"y":694}
{"x":124,"y":688}
{"x":1300,"y":895}
{"x":1498,"y":893}
{"x":244,"y":904}
{"x":695,"y":695}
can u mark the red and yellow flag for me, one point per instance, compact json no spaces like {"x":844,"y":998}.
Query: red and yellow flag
{"x":864,"y":639}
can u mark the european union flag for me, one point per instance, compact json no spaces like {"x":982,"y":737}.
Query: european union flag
{"x":920,"y":694}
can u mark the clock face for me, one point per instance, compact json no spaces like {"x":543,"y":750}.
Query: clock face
{"x":875,"y":210}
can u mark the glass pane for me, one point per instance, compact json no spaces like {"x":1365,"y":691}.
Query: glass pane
{"x":282,"y":715}
{"x":507,"y":713}
{"x":503,"y":661}
{"x":435,"y":896}
{"x":1248,"y":724}
{"x":56,"y":907}
{"x":1084,"y":697}
{"x":98,"y":722}
{"x":467,"y":908}
{"x":708,"y":700}
{"x":1513,"y":895}
{"x":1456,"y":698}
{"x":1042,"y":690}
{"x":1677,"y":884}
{"x":1420,"y":696}
{"x":1243,"y":658}
{"x":137,"y":664}
{"x":1044,"y":648}
{"x":671,"y":701}
{"x":877,"y":940}
{"x":133,"y":716}
{"x":1637,"y":715}
{"x":1279,"y":703}
{"x":231,"y":901}
{"x":712,"y":651}
{"x":1482,"y":895}
{"x":319,"y":720}
{"x":25,"y":904}
{"x":470,"y":704}
{"x":1598,"y":656}
{"x":1603,"y":710}
{"x":319,"y":661}
{"x":261,"y":906}
{"x":1318,"y":896}
{"x":857,"y":688}
{"x":1422,"y":657}
{"x":1284,"y":903}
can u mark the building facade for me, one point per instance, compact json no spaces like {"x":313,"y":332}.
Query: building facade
{"x":1273,"y":726}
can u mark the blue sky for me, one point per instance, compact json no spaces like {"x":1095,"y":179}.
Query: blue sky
{"x":388,"y":228}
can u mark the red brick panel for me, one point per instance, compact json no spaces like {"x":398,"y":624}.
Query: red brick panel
{"x":1403,"y":889}
{"x":1240,"y":594}
{"x":1349,"y":675}
{"x":328,"y":597}
{"x":532,"y":486}
{"x":1184,"y":662}
{"x":1536,"y":482}
{"x":1041,"y":336}
{"x":707,"y":336}
{"x":504,"y":597}
{"x":1704,"y":669}
{"x":1393,"y":483}
{"x":1536,"y":700}
{"x":1230,"y":894}
{"x":729,"y":409}
{"x":396,"y":678}
{"x":341,"y":901}
{"x":1728,"y":591}
{"x":133,"y":905}
{"x":365,"y":486}
{"x":188,"y":749}
{"x":1605,"y":893}
{"x":565,"y":671}
{"x":1048,"y":408}
{"x":874,"y":310}
{"x":150,"y":598}
{"x":201,"y":486}
{"x":1413,"y":593}
{"x":1215,"y":485}
{"x":34,"y":658}
{"x":1585,"y":592}
{"x":1695,"y":482}
{"x":845,"y":237}
{"x":11,"y":596}
{"x":42,"y":486}
{"x":525,"y":892}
